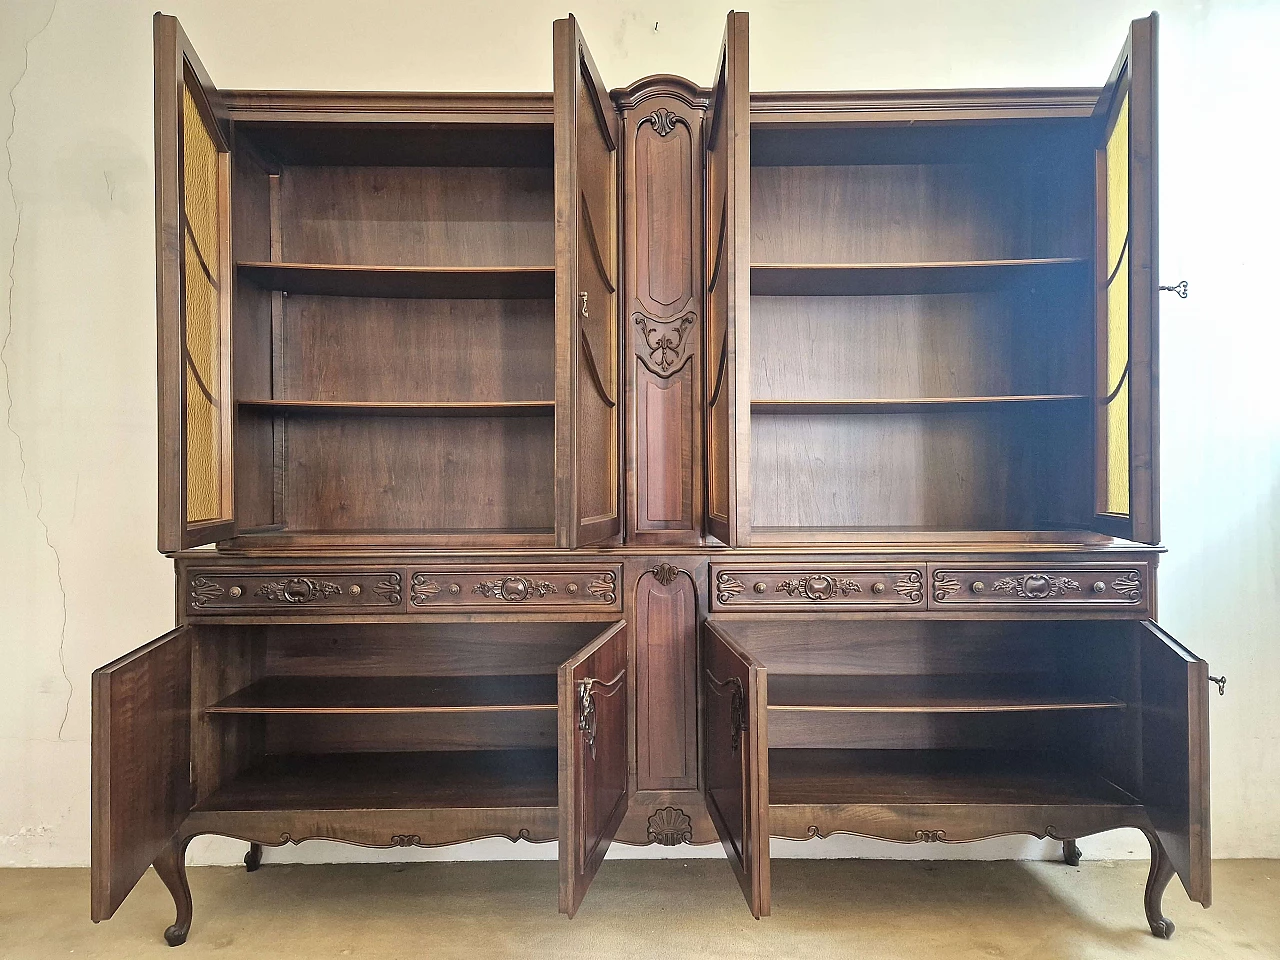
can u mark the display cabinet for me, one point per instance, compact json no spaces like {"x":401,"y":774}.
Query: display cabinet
{"x":658,"y":465}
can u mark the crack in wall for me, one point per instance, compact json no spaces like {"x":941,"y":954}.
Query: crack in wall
{"x":38,"y":512}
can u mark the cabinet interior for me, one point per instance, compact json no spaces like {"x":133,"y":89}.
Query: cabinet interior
{"x":393,"y":329}
{"x":400,"y":715}
{"x":921,"y":327}
{"x":949,"y":711}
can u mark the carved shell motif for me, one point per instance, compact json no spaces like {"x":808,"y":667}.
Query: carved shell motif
{"x":909,"y":587}
{"x":944,"y":585}
{"x":665,"y":574}
{"x":670,"y":826}
{"x":1128,"y":585}
{"x":204,"y":590}
{"x":663,"y":120}
{"x":602,"y":587}
{"x":389,"y":588}
{"x":727,"y":587}
{"x":422,"y":589}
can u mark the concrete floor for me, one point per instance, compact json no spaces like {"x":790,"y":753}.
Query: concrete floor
{"x":651,"y":910}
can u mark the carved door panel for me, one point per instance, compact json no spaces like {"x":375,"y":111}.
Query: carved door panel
{"x":193,"y":296}
{"x":735,"y":747}
{"x":593,"y":759}
{"x":666,"y":663}
{"x":662,"y":309}
{"x":141,"y":770}
{"x":727,"y":132}
{"x":587,"y":442}
{"x":1127,"y":423}
{"x":1175,"y":754}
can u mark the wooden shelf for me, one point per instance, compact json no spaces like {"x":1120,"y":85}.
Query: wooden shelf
{"x":496,"y":408}
{"x":904,"y":405}
{"x":923,"y":694}
{"x":392,"y":781}
{"x":352,"y":280}
{"x":884,"y":279}
{"x":921,"y":777}
{"x":368,"y":695}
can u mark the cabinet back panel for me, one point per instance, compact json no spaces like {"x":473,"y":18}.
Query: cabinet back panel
{"x":997,"y":467}
{"x":905,"y":213}
{"x":921,"y":731}
{"x":418,"y":216}
{"x":365,"y":473}
{"x":421,"y":649}
{"x":408,"y":350}
{"x":402,"y":144}
{"x":996,"y":343}
{"x":393,"y":734}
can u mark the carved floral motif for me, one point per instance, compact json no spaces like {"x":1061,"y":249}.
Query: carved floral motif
{"x":931,"y":836}
{"x":1035,"y":586}
{"x":818,"y":587}
{"x":204,"y":590}
{"x":298,"y":590}
{"x":670,"y":826}
{"x":668,"y":342}
{"x":514,"y":589}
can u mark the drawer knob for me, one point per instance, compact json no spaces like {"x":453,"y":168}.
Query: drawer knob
{"x":1099,"y":587}
{"x":455,"y":589}
{"x":978,"y":586}
{"x":877,"y":588}
{"x":759,"y":587}
{"x":571,"y":589}
{"x":235,"y":592}
{"x":355,"y":590}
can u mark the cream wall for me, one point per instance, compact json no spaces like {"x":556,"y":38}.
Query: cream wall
{"x":80,"y":581}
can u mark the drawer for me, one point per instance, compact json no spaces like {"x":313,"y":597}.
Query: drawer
{"x":1080,"y":586}
{"x":225,"y":590}
{"x":806,"y":586}
{"x":537,"y":588}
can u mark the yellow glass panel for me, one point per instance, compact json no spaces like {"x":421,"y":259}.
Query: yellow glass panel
{"x":1116,"y":421}
{"x":201,"y":317}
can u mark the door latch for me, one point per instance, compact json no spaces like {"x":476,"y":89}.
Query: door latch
{"x":1180,"y":288}
{"x":585,"y":316}
{"x":1222,"y":685}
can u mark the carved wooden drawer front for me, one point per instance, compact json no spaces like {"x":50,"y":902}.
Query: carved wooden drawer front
{"x":815,"y":585}
{"x":1085,"y":585}
{"x":222,"y":591}
{"x":500,"y":588}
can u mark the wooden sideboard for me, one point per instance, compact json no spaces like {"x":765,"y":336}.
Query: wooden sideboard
{"x":656,"y":465}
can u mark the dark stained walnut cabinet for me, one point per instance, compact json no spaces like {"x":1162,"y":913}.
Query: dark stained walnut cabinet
{"x":660,"y":465}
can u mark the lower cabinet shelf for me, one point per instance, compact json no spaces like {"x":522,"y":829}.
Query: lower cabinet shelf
{"x":884,"y":777}
{"x":462,"y":779}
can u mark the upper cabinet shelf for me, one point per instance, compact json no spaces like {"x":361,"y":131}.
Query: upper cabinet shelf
{"x":881,"y":279}
{"x":903,"y":405}
{"x":481,"y":408}
{"x":351,"y":280}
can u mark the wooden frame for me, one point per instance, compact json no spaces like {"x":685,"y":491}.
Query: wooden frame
{"x":178,"y":69}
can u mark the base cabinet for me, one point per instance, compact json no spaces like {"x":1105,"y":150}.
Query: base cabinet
{"x":383,"y":736}
{"x":950,"y":731}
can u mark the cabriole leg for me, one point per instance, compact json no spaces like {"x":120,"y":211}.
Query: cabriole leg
{"x":1070,"y":853}
{"x":253,"y":859}
{"x":1159,"y":877}
{"x":172,"y":867}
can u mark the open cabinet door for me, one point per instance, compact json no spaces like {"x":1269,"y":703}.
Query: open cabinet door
{"x":1175,"y":755}
{"x":593,"y":759}
{"x":735,"y":745}
{"x":586,"y":183}
{"x":193,"y":296}
{"x":728,"y":278}
{"x":141,"y":769}
{"x":1127,"y":426}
